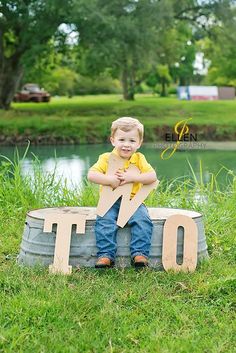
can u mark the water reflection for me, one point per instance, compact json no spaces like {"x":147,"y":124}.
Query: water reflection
{"x":72,"y":170}
{"x":73,"y":162}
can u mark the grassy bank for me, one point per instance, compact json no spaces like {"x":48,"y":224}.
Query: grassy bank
{"x":118,"y":310}
{"x":87,"y":119}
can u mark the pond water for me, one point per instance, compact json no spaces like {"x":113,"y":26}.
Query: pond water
{"x":73,"y":161}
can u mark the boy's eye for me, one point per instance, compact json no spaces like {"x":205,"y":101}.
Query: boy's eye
{"x":132,"y":140}
{"x":121,"y":139}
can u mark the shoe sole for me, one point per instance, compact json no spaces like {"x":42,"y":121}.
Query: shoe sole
{"x":140,"y":264}
{"x":104,"y":266}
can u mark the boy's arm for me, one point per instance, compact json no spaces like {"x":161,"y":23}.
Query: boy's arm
{"x":97,"y":173}
{"x":134,"y":177}
{"x":103,"y":179}
{"x":147,"y":178}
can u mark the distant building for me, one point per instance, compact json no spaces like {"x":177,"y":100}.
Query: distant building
{"x":205,"y":92}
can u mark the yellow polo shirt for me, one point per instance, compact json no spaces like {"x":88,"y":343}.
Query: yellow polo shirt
{"x":137,"y":159}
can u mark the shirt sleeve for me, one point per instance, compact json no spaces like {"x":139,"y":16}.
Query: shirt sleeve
{"x":144,"y":166}
{"x":101,"y":164}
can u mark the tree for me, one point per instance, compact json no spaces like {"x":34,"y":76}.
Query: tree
{"x":183,"y":69}
{"x":160,"y":75}
{"x":123,"y":35}
{"x":220,"y":51}
{"x":214,"y":33}
{"x":164,"y":77}
{"x":62,"y":82}
{"x":26,"y":27}
{"x":120,"y":34}
{"x":176,"y":50}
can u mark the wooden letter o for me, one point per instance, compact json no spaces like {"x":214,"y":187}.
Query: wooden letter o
{"x":169,"y":249}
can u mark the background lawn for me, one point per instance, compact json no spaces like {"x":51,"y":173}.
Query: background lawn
{"x":87,"y":119}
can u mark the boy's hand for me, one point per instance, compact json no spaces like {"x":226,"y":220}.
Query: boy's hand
{"x":127,"y":176}
{"x":114,"y":181}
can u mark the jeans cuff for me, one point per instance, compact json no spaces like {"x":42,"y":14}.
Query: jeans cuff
{"x":108,"y":256}
{"x":139,"y":254}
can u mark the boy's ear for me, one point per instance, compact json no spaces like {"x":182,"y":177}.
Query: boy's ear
{"x":140,"y":143}
{"x":112,"y":140}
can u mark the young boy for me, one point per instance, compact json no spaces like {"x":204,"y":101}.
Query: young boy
{"x":126,"y":138}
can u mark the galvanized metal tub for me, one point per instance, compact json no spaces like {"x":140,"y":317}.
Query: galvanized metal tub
{"x":37,"y":247}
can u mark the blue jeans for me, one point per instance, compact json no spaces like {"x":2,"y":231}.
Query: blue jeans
{"x":106,"y":230}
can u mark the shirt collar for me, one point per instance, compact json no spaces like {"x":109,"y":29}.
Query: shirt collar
{"x":132,"y":159}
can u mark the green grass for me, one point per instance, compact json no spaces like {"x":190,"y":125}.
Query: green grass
{"x":117,"y":310}
{"x":87,"y":119}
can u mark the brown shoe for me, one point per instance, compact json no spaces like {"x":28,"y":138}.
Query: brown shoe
{"x":140,"y":261}
{"x":104,"y":262}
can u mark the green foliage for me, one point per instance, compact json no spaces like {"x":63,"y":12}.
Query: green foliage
{"x":172,"y":91}
{"x":122,"y":37}
{"x":164,"y":77}
{"x":26,"y":30}
{"x":102,"y":84}
{"x":177,"y":49}
{"x":28,"y":26}
{"x":222,"y":71}
{"x":219,"y":49}
{"x":62,"y":82}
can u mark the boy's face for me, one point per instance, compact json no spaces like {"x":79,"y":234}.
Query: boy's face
{"x":126,"y":143}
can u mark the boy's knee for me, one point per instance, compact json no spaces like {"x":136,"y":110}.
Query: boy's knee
{"x":105,"y":223}
{"x":140,"y":213}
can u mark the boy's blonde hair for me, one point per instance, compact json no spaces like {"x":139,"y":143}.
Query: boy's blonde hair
{"x":127,"y":124}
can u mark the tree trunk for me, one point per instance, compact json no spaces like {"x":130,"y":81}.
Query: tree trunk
{"x":127,"y":85}
{"x":131,"y":85}
{"x":10,"y":75}
{"x":182,"y":81}
{"x":163,"y":89}
{"x":124,"y":81}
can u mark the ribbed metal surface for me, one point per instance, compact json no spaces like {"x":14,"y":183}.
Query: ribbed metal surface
{"x":37,"y":247}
